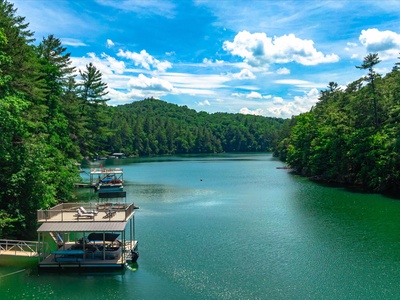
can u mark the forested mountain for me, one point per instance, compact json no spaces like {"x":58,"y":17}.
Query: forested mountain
{"x":154,"y":127}
{"x":352,"y":135}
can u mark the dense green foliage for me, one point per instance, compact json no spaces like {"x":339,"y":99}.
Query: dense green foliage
{"x":153,"y":127}
{"x":351,"y":136}
{"x":37,"y":155}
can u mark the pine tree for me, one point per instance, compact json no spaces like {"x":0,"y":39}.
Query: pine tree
{"x":369,"y":62}
{"x":92,"y":91}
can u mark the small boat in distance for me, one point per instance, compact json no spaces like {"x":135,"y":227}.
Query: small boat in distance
{"x":104,"y":178}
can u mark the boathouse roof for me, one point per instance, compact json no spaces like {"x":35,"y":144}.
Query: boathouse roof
{"x":82,"y":226}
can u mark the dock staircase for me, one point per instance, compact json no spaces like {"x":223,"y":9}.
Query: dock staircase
{"x":57,"y":238}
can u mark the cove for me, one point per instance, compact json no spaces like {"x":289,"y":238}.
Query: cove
{"x":234,"y":226}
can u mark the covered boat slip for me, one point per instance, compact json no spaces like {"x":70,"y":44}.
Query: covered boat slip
{"x":88,"y":244}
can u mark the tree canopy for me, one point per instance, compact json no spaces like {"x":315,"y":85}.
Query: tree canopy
{"x":352,"y":135}
{"x":154,"y":127}
{"x":37,"y":155}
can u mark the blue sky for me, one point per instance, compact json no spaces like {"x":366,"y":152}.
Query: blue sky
{"x":261,"y":57}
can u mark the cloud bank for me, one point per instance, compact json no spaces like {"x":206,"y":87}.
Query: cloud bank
{"x":258,"y":50}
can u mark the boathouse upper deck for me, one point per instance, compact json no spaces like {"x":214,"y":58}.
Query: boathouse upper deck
{"x":101,"y":212}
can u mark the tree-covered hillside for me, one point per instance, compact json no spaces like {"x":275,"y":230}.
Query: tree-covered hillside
{"x":352,"y":135}
{"x":154,"y":127}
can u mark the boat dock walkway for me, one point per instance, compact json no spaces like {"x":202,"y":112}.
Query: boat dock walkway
{"x":19,"y":248}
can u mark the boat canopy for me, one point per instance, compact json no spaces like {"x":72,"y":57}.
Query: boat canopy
{"x":83,"y":226}
{"x":108,"y":237}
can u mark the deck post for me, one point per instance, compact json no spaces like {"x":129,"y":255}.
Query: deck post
{"x":39,"y":248}
{"x":124,"y":246}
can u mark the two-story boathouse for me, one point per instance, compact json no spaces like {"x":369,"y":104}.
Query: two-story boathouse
{"x":89,"y":235}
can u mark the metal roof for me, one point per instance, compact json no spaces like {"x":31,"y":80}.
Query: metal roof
{"x":82,"y":226}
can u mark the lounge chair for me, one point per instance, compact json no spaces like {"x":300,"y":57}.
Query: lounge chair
{"x":83,"y":210}
{"x":109,"y":214}
{"x":84,"y":215}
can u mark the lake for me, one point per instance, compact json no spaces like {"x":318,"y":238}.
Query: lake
{"x":235,"y":226}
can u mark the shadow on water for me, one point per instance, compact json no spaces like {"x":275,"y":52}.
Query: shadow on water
{"x":181,"y":158}
{"x":351,"y":188}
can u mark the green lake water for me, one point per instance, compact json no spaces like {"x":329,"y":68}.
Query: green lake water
{"x":234,"y":226}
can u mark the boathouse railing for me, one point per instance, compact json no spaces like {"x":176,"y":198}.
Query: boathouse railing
{"x":63,"y":212}
{"x":129,"y":210}
{"x":59,"y":209}
{"x":20,"y":248}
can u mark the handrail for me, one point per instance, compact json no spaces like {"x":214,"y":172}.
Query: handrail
{"x":19,"y":246}
{"x":129,"y":210}
{"x":50,"y":213}
{"x":57,"y":212}
{"x":106,"y":170}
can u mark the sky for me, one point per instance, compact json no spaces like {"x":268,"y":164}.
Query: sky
{"x":261,"y":57}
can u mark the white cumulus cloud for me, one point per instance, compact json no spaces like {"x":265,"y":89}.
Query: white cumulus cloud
{"x":244,"y":74}
{"x":115,"y":65}
{"x":387,"y":42}
{"x":145,"y":83}
{"x":287,"y":108}
{"x":145,"y":60}
{"x":283,"y":71}
{"x":110,"y":43}
{"x":254,"y":95}
{"x":257,"y":49}
{"x":255,"y":112}
{"x":308,"y":100}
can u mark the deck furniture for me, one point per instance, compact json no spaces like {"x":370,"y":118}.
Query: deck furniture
{"x":83,"y":215}
{"x":83,"y":210}
{"x":109,"y":214}
{"x":113,"y":206}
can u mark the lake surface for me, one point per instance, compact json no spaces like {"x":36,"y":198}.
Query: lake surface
{"x":233,"y":226}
